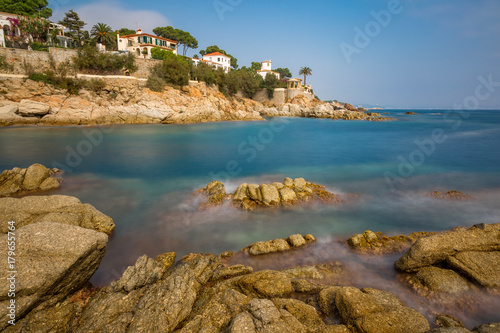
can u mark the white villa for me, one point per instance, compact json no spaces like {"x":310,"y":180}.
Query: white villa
{"x":216,"y":59}
{"x":267,"y":69}
{"x":141,"y":43}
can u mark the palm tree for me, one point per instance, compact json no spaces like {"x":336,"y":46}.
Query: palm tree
{"x":306,"y":71}
{"x":101,"y":32}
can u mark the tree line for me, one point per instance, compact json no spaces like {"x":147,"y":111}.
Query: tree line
{"x":34,"y":22}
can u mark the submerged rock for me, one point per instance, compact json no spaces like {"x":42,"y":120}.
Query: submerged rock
{"x":56,"y":208}
{"x":252,"y":196}
{"x":370,"y":242}
{"x":215,"y":193}
{"x":278,"y":245}
{"x":451,"y":196}
{"x":35,"y":178}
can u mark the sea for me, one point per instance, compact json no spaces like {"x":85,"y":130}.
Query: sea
{"x":144,"y":176}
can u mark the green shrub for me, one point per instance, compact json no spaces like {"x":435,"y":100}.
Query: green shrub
{"x":71,"y":85}
{"x":156,"y":83}
{"x":247,"y":81}
{"x":39,"y":77}
{"x":39,"y":47}
{"x":95,"y":85}
{"x":172,"y":71}
{"x":91,"y":61}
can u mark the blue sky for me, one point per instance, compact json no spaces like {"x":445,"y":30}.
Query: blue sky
{"x":420,"y":54}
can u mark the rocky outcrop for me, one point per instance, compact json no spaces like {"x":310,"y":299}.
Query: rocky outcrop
{"x":320,"y":110}
{"x":29,"y":108}
{"x":201,"y":293}
{"x":149,"y":298}
{"x":371,"y":242}
{"x":437,"y":248}
{"x":22,"y":181}
{"x":56,"y":208}
{"x":372,"y":311}
{"x":433,"y":279}
{"x":278,"y":245}
{"x":253,"y":196}
{"x":28,"y":102}
{"x":472,"y":253}
{"x":451,"y":196}
{"x":52,"y":260}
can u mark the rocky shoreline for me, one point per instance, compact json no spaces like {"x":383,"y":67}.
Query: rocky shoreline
{"x":26,"y":102}
{"x":222,"y":293}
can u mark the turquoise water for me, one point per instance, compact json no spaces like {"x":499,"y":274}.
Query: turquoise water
{"x":143,"y":177}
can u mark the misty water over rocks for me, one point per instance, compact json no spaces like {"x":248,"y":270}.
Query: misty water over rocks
{"x":144,"y":178}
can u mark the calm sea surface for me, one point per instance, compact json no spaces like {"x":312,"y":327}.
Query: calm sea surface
{"x":143,"y":176}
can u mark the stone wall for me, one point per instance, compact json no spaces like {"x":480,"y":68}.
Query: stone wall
{"x":39,"y":60}
{"x":281,"y":95}
{"x":292,"y":93}
{"x":278,"y":96}
{"x":144,"y":66}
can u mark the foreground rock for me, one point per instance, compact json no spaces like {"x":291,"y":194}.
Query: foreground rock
{"x":252,"y":196}
{"x":56,"y":208}
{"x":437,"y":248}
{"x":53,"y":260}
{"x":374,"y":311}
{"x":472,"y":253}
{"x":21,"y":181}
{"x":371,"y":242}
{"x":201,"y":293}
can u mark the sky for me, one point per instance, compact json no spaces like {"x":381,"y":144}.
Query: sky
{"x":390,"y":53}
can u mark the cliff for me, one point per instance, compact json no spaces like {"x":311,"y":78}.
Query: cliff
{"x":128,"y":101}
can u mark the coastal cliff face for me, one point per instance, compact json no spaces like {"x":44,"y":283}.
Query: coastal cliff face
{"x":127,"y":101}
{"x":120,"y":102}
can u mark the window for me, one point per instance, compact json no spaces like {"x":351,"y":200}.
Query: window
{"x":129,"y":42}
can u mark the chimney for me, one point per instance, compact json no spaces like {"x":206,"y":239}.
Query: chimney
{"x":139,"y":31}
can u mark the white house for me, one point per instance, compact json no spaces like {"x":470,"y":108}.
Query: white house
{"x":266,"y":68}
{"x":7,"y":28}
{"x":10,"y":32}
{"x":218,"y":60}
{"x":141,"y":43}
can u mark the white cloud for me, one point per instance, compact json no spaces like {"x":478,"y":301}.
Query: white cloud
{"x":114,"y":14}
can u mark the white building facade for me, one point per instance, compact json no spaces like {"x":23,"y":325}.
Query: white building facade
{"x":266,"y":68}
{"x":218,"y":60}
{"x":140,"y":44}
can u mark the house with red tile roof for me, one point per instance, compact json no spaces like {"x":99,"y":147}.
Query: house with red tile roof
{"x":218,"y":60}
{"x":141,"y":44}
